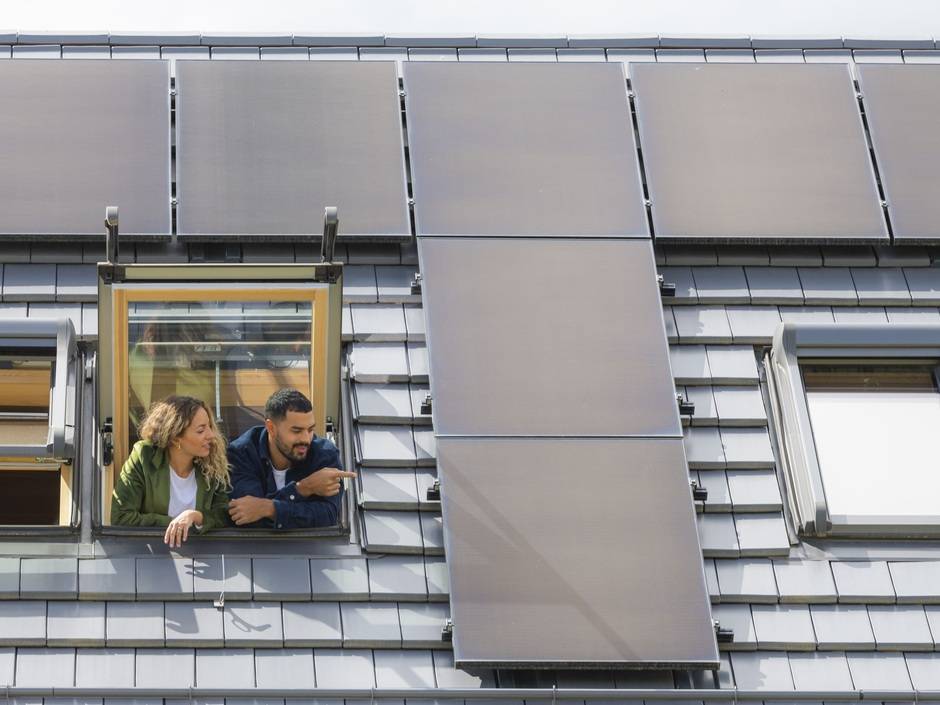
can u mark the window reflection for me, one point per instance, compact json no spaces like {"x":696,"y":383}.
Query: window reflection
{"x":233,"y":355}
{"x":875,"y":432}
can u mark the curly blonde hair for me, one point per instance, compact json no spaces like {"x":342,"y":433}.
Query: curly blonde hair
{"x":169,"y":418}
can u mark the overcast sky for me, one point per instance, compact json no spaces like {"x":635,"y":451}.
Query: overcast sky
{"x":855,"y":18}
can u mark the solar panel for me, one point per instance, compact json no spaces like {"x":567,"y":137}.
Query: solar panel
{"x":523,"y":149}
{"x":573,"y":553}
{"x":901,"y":104}
{"x":547,"y":337}
{"x":756,"y":152}
{"x":79,"y":136}
{"x":263,"y":147}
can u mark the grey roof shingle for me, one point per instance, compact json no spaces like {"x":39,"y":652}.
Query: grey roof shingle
{"x":193,"y":624}
{"x":754,"y":490}
{"x":49,"y":578}
{"x":165,"y":668}
{"x":75,"y":623}
{"x":228,"y":668}
{"x":339,"y":578}
{"x":312,"y":624}
{"x":900,"y":627}
{"x":737,"y":618}
{"x":774,"y":285}
{"x":875,"y":671}
{"x":805,"y":581}
{"x":746,"y":580}
{"x":784,"y":627}
{"x":208,"y":581}
{"x":344,"y":668}
{"x":370,"y":625}
{"x":422,"y":625}
{"x":164,"y":579}
{"x":104,"y":668}
{"x":23,"y":623}
{"x":107,"y":578}
{"x":134,"y":624}
{"x":916,"y":581}
{"x":753,"y":325}
{"x":285,"y":668}
{"x":404,"y":669}
{"x":721,"y":285}
{"x":863,"y":581}
{"x":280,"y":578}
{"x":253,"y":624}
{"x":820,"y":672}
{"x":37,"y":668}
{"x":842,"y":627}
{"x":760,"y":670}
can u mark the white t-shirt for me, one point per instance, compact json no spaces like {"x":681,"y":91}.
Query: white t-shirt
{"x":280,"y":478}
{"x":182,"y":493}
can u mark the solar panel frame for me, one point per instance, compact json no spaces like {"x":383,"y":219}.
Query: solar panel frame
{"x":764,"y":153}
{"x":335,"y":125}
{"x":901,"y":105}
{"x":529,"y":522}
{"x":542,"y":301}
{"x":523,"y":150}
{"x":80,"y":136}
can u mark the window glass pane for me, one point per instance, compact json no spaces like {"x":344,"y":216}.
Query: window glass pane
{"x":875,"y":431}
{"x":24,"y":401}
{"x":33,"y":494}
{"x":232,"y":355}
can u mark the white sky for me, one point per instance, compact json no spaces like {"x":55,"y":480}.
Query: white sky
{"x":855,"y":18}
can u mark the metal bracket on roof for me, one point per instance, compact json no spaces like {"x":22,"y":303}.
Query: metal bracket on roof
{"x":330,"y":227}
{"x":426,"y":405}
{"x":699,"y":494}
{"x":665,"y":289}
{"x":329,"y":430}
{"x":447,"y":633}
{"x":434,"y":491}
{"x":416,"y":284}
{"x":686,"y":407}
{"x":723,"y":634}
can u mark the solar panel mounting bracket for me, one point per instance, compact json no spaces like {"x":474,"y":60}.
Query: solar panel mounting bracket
{"x":434,"y":491}
{"x":416,"y":288}
{"x":699,"y":494}
{"x":686,"y":407}
{"x":447,"y":632}
{"x":426,"y":405}
{"x":665,"y":288}
{"x":723,"y":634}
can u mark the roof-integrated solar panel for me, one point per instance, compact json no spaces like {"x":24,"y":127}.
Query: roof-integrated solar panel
{"x":902,"y":104}
{"x":79,"y":136}
{"x":756,"y":153}
{"x":580,"y":344}
{"x":523,"y":150}
{"x":573,"y":552}
{"x":263,"y":147}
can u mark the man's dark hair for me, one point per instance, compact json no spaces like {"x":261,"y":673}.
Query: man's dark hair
{"x":284,"y":400}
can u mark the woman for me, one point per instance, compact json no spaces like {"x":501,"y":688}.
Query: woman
{"x":177,"y":476}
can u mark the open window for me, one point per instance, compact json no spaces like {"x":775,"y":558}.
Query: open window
{"x":229,"y":334}
{"x":40,"y":373}
{"x":856,"y":412}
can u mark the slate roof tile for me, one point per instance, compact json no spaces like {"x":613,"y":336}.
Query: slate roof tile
{"x":339,"y":578}
{"x":104,"y":668}
{"x":164,"y":579}
{"x":746,"y":580}
{"x":784,"y":627}
{"x":370,"y":625}
{"x":805,"y":581}
{"x":49,"y":578}
{"x":23,"y":623}
{"x":285,"y":668}
{"x":842,"y":627}
{"x":280,"y":578}
{"x":253,"y":624}
{"x":107,"y":578}
{"x":75,"y":623}
{"x":312,"y":624}
{"x":900,"y":628}
{"x":42,"y":668}
{"x":134,"y":624}
{"x":820,"y":672}
{"x":193,"y":624}
{"x":207,"y":577}
{"x":863,"y":581}
{"x":228,"y":668}
{"x":397,"y":578}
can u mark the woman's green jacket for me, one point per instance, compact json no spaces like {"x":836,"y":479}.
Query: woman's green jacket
{"x":142,"y":493}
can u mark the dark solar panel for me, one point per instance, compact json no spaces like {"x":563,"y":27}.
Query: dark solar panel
{"x":263,"y":147}
{"x":79,"y":136}
{"x":756,"y":152}
{"x":523,"y":149}
{"x":547,"y":337}
{"x":902,"y":104}
{"x":573,"y":553}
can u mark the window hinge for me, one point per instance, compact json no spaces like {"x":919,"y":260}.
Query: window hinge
{"x":699,"y":494}
{"x":665,"y":289}
{"x":107,"y":446}
{"x":434,"y":491}
{"x":447,"y":633}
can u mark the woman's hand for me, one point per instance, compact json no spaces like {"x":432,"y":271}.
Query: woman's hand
{"x":178,"y":530}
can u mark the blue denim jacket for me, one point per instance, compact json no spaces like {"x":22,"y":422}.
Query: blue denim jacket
{"x":253,"y":476}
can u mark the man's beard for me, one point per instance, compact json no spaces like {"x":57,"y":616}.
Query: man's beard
{"x":289,"y":452}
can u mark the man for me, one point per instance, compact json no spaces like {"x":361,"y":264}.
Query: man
{"x":283,"y":476}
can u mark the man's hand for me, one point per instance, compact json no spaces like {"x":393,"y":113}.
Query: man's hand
{"x":247,"y":510}
{"x":325,"y":482}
